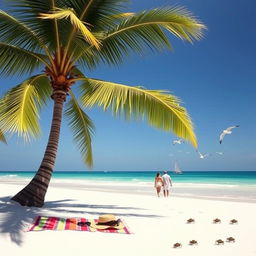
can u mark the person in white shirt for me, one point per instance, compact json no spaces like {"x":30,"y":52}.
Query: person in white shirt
{"x":167,"y":184}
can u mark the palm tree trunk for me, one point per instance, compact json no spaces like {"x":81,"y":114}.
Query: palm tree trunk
{"x":34,"y":193}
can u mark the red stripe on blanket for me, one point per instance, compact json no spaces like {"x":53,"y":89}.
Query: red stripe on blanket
{"x":50,"y":223}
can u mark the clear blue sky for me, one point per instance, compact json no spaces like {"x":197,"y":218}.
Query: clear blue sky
{"x":215,"y":78}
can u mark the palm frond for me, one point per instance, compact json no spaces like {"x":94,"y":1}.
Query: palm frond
{"x":89,"y":59}
{"x":82,"y":128}
{"x":98,"y":13}
{"x":161,"y":110}
{"x":18,"y":61}
{"x":17,"y":33}
{"x":68,"y":13}
{"x":20,"y":107}
{"x":27,"y":12}
{"x":2,"y":138}
{"x":147,"y":30}
{"x":177,"y":20}
{"x":122,"y":15}
{"x":77,"y":72}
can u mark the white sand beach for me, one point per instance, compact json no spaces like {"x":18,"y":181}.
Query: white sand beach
{"x":156,"y":223}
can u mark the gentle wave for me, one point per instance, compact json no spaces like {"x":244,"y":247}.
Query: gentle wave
{"x":208,"y":185}
{"x":101,"y":182}
{"x":148,"y":184}
{"x":202,"y":178}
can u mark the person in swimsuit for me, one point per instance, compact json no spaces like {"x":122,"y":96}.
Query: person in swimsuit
{"x":158,"y":183}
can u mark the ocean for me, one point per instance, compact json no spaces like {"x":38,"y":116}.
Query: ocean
{"x":246,"y":178}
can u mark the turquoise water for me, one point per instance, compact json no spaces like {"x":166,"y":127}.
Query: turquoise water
{"x":199,"y":177}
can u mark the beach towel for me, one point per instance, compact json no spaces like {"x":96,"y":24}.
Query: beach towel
{"x":57,"y":223}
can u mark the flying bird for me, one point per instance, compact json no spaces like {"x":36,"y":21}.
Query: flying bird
{"x":227,"y":131}
{"x":177,"y":141}
{"x":201,"y":155}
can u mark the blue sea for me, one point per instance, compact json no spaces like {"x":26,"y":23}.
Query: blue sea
{"x":247,"y":178}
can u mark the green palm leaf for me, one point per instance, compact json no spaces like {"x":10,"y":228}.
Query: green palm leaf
{"x":147,"y":29}
{"x":27,"y":12}
{"x":17,"y":33}
{"x":101,"y":15}
{"x":161,"y":110}
{"x":88,"y":60}
{"x":59,"y":13}
{"x":2,"y":138}
{"x":82,"y":128}
{"x":19,"y":112}
{"x":94,"y":11}
{"x":98,"y":13}
{"x":18,"y":61}
{"x":174,"y":19}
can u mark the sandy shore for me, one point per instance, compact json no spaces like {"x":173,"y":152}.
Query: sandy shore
{"x":156,"y":223}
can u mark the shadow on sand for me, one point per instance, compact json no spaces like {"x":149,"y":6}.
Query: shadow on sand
{"x":15,"y":219}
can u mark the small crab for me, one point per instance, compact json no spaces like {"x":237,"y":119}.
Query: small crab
{"x":177,"y":245}
{"x":215,"y":221}
{"x":190,"y":221}
{"x":230,"y":239}
{"x":219,"y":241}
{"x":233,"y":221}
{"x":193,"y":242}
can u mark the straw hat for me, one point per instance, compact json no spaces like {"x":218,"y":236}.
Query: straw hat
{"x":107,"y":221}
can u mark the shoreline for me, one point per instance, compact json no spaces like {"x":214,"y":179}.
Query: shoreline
{"x":234,"y":193}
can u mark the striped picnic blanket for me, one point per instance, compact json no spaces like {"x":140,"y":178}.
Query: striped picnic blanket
{"x":57,"y":223}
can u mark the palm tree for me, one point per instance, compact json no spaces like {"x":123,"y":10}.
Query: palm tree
{"x":58,"y":39}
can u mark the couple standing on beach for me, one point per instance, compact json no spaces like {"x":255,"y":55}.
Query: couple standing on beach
{"x":164,"y":182}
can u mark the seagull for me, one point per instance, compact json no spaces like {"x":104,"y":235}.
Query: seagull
{"x":202,"y":156}
{"x":177,"y":141}
{"x":227,"y":131}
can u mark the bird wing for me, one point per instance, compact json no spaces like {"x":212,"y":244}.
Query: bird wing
{"x":232,"y":127}
{"x":222,"y":137}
